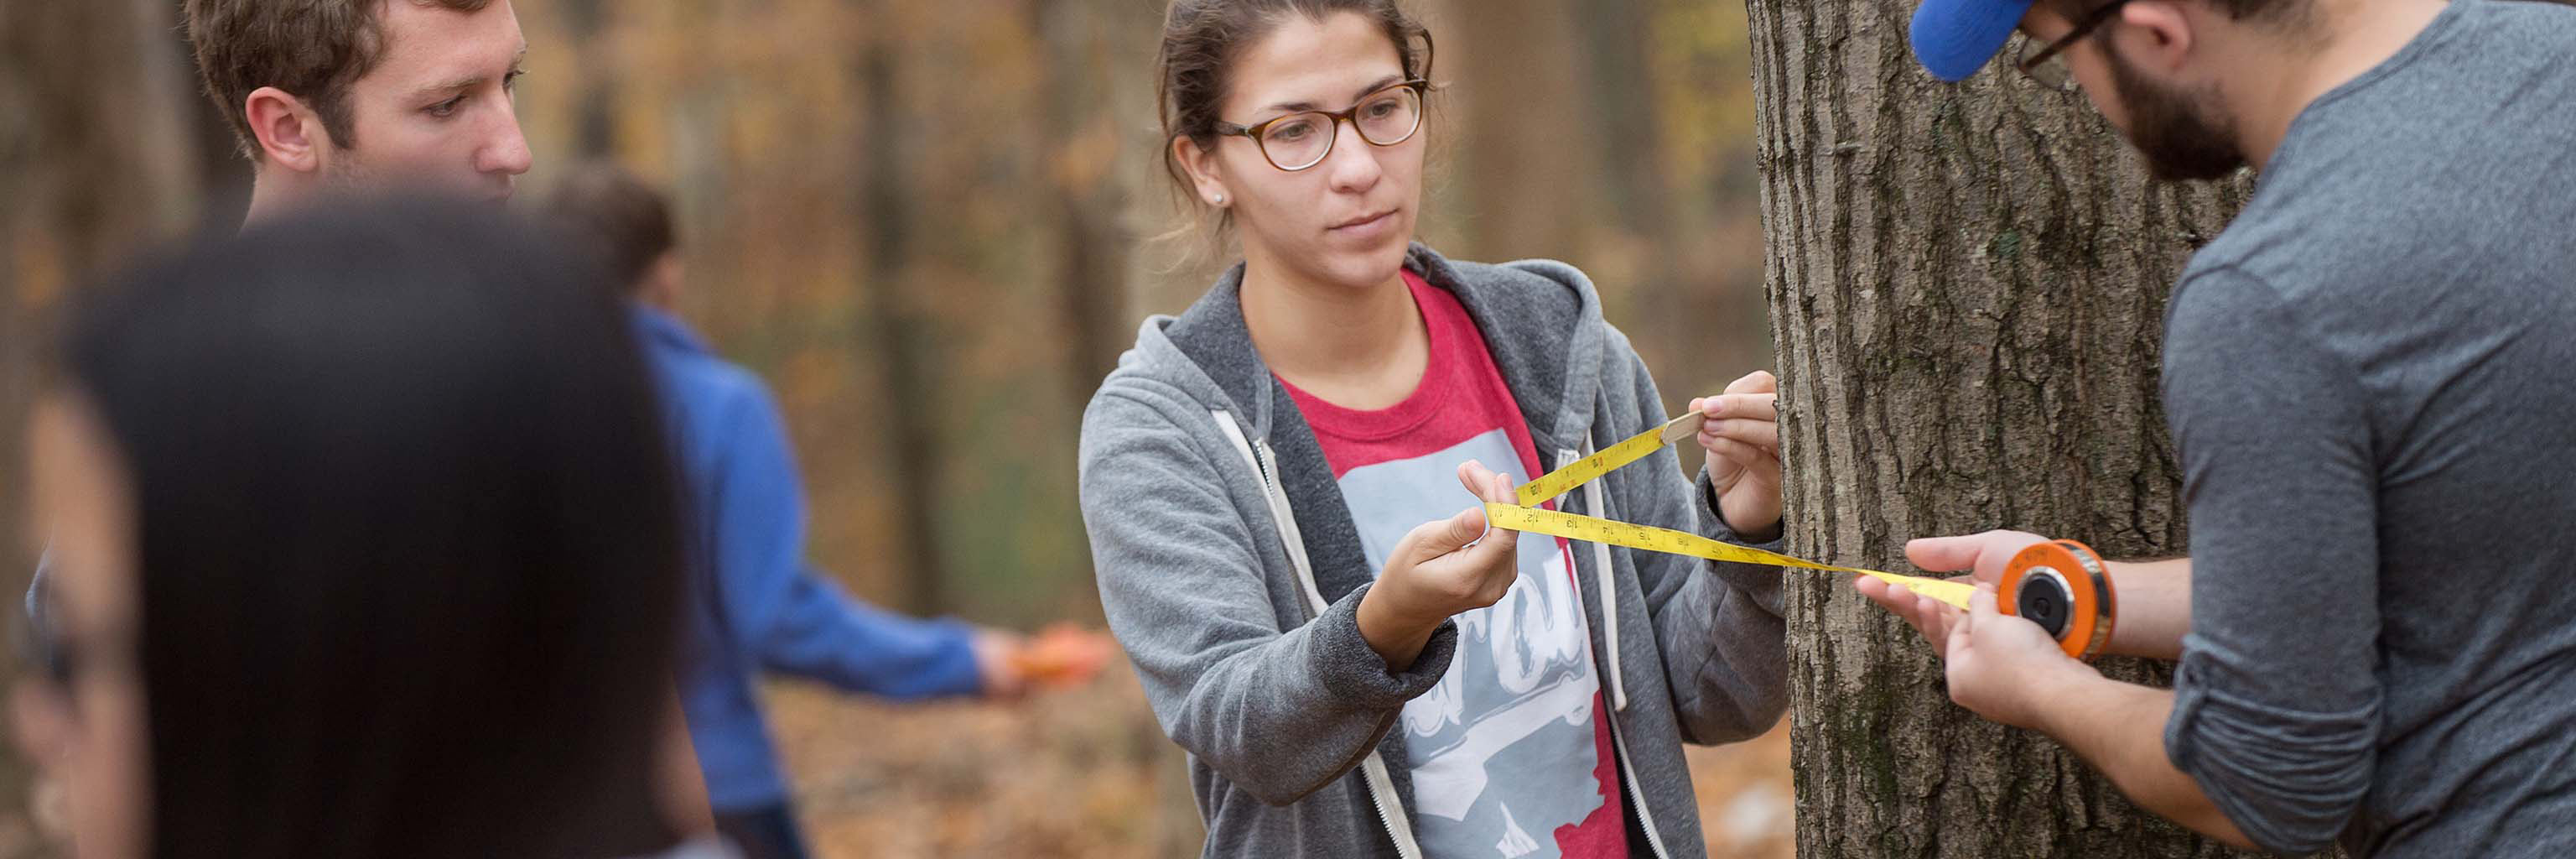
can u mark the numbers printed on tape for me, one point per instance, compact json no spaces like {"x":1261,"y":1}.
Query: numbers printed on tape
{"x":2078,"y":607}
{"x":1609,"y":459}
{"x":1527,"y":517}
{"x":1597,"y":530}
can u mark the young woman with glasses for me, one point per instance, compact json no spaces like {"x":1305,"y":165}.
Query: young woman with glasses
{"x":1258,"y":473}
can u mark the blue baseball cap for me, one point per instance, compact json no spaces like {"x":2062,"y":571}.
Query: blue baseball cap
{"x":1955,"y":38}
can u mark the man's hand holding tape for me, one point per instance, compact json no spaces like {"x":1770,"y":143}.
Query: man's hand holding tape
{"x":2009,"y":670}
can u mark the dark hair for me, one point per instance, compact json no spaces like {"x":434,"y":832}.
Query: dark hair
{"x":1203,"y":38}
{"x":408,"y":540}
{"x":313,"y":49}
{"x":606,"y":211}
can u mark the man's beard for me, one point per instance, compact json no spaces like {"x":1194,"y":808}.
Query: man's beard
{"x":348,"y":175}
{"x":2174,"y":131}
{"x":352,"y":176}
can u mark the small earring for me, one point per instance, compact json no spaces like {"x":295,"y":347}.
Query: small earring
{"x":1218,"y":200}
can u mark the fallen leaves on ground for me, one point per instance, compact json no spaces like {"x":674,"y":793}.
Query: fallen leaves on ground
{"x":1086,"y":773}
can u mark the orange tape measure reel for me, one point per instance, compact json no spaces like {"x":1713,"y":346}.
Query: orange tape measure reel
{"x":2063,"y":587}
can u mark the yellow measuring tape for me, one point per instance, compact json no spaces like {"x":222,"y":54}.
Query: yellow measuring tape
{"x":1527,"y":517}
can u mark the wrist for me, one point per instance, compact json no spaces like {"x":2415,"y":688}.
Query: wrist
{"x":997,"y":668}
{"x":2068,"y":688}
{"x":1392,"y":630}
{"x":1759,"y":532}
{"x":1768,"y":531}
{"x":1397,"y":609}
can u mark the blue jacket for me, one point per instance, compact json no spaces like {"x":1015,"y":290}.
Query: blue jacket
{"x":754,"y":606}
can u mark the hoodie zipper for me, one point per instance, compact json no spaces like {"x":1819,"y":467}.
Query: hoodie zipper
{"x":1597,"y":504}
{"x":1373,"y":767}
{"x":1645,"y":821}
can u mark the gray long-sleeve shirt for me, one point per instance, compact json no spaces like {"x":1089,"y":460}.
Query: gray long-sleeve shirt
{"x":2371,"y":378}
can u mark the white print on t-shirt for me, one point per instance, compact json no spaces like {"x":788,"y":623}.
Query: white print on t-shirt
{"x":1502,"y":751}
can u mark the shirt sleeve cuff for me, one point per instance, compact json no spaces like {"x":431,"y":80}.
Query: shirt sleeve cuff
{"x":1345,"y":664}
{"x":1761,"y":582}
{"x":2291,"y":779}
{"x":955,"y":671}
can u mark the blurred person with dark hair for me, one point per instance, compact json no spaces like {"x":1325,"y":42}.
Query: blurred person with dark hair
{"x":756,"y":606}
{"x":354,"y":98}
{"x":366,"y":543}
{"x":427,"y":83}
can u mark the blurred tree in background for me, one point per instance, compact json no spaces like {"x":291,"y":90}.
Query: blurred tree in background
{"x":929,"y":224}
{"x":96,"y":162}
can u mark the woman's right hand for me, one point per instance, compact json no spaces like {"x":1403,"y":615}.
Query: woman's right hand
{"x":1440,"y":569}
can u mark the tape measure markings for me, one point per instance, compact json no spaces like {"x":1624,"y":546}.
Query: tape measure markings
{"x":1527,"y":516}
{"x":1598,"y":530}
{"x":2061,"y":585}
{"x":1609,"y":459}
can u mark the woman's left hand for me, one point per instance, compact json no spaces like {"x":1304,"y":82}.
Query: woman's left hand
{"x":1742,"y":438}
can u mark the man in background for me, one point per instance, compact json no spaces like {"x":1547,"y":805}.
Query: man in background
{"x":754,"y":606}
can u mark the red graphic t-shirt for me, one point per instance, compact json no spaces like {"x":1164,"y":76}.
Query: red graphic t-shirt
{"x":1511,"y":753}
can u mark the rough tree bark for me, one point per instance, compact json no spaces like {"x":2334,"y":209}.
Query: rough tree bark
{"x":1967,"y":287}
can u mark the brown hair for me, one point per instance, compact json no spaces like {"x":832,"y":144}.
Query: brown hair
{"x":604,"y":210}
{"x":1202,"y":39}
{"x":313,"y":49}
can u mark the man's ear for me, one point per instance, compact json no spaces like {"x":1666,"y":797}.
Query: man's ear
{"x":286,"y":130}
{"x":662,"y":282}
{"x":2155,"y":35}
{"x":1205,"y":178}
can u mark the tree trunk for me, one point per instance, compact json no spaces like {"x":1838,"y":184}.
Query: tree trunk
{"x":1523,"y":165}
{"x":1092,"y":240}
{"x":900,"y":331}
{"x":1967,"y":287}
{"x":93,"y":164}
{"x":585,"y":23}
{"x":1620,"y":104}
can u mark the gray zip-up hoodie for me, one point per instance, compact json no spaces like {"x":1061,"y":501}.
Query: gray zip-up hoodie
{"x":1231,"y":571}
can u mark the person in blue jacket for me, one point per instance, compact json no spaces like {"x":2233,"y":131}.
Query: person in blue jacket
{"x":755,"y":606}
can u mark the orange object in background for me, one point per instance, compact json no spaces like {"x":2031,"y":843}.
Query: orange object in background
{"x":1064,"y":655}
